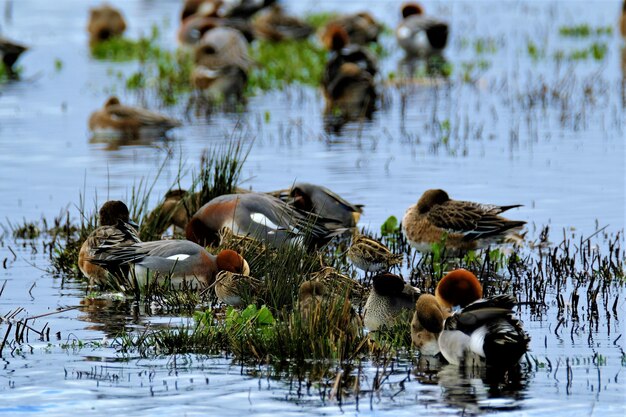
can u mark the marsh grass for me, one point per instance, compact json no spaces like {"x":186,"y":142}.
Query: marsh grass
{"x":279,"y":64}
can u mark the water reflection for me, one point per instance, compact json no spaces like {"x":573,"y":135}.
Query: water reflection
{"x":475,"y":389}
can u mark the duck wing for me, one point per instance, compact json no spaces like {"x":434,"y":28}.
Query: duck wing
{"x":143,"y":116}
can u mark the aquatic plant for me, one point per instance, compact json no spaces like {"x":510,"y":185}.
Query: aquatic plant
{"x":283,"y":63}
{"x":584,"y":30}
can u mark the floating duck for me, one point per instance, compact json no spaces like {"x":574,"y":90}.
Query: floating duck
{"x":116,"y":120}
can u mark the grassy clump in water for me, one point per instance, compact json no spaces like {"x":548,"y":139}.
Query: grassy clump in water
{"x":120,"y":49}
{"x":282,"y":63}
{"x":584,"y":30}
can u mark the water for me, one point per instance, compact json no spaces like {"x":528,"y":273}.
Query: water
{"x":563,"y":158}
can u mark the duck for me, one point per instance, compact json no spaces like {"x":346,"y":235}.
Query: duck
{"x":115,"y":228}
{"x":370,"y":255}
{"x":237,"y":289}
{"x":321,"y":304}
{"x":10,"y":52}
{"x":105,"y":22}
{"x":348,"y":79}
{"x":388,"y":299}
{"x":463,"y":225}
{"x":182,"y":262}
{"x":273,"y":24}
{"x":261,"y":216}
{"x":243,"y":9}
{"x":457,"y":288}
{"x":420,"y":35}
{"x":484,"y":331}
{"x":116,"y":120}
{"x":340,"y":283}
{"x":320,"y":200}
{"x":622,"y":20}
{"x":362,"y":28}
{"x":175,"y":210}
{"x":221,"y":64}
{"x":195,"y":26}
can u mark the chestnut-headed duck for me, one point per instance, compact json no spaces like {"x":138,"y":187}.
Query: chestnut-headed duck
{"x":264,"y":217}
{"x":116,"y":120}
{"x":323,"y":202}
{"x":273,"y":24}
{"x":370,"y":255}
{"x":348,"y":79}
{"x":389,"y":298}
{"x":221,"y":64}
{"x":360,"y":27}
{"x":180,"y":261}
{"x":420,"y":35}
{"x":457,"y":288}
{"x":484,"y":331}
{"x":464,"y":225}
{"x":115,"y":228}
{"x":237,"y":290}
{"x":105,"y":22}
{"x":10,"y":52}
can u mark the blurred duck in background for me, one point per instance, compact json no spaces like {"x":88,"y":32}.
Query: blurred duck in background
{"x":361,"y":27}
{"x":274,"y":25}
{"x":116,"y":120}
{"x":420,"y":35}
{"x":10,"y":52}
{"x":221,"y":64}
{"x":105,"y":22}
{"x":348,"y":80}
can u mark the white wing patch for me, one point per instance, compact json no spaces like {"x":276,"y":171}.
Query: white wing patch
{"x":178,"y":257}
{"x":477,"y":340}
{"x":261,"y":218}
{"x":403,"y":32}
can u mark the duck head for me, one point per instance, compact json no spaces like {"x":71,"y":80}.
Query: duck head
{"x":411,"y":9}
{"x":458,"y":288}
{"x":229,"y":260}
{"x":335,"y":37}
{"x":431,"y":198}
{"x":113,"y":211}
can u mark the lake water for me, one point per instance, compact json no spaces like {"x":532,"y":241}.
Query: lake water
{"x":534,"y":131}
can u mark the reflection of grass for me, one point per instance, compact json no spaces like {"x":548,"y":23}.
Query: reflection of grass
{"x":584,"y":30}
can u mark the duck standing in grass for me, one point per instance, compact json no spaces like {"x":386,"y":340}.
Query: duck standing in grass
{"x":115,"y":229}
{"x":348,"y":79}
{"x":261,"y":216}
{"x":10,"y":52}
{"x":464,"y":225}
{"x":118,"y":121}
{"x":389,"y":298}
{"x":420,"y":36}
{"x":484,"y":331}
{"x":221,"y":64}
{"x":105,"y":22}
{"x":370,"y":255}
